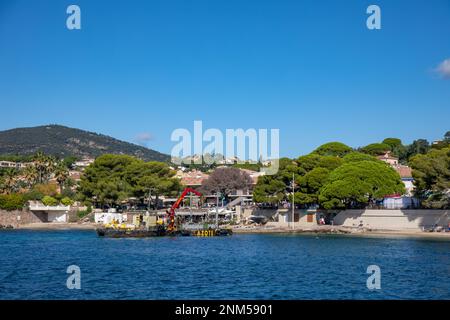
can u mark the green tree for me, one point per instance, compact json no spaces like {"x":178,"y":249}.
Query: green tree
{"x":112,"y":179}
{"x":392,"y":142}
{"x":358,"y":183}
{"x":30,"y":175}
{"x":69,"y":161}
{"x":104,"y":180}
{"x":61,"y":174}
{"x":310,"y":185}
{"x":397,"y":147}
{"x":47,"y":189}
{"x":66,"y":201}
{"x":9,"y":181}
{"x":49,"y":201}
{"x":269,"y":190}
{"x":420,"y":146}
{"x":447,"y":136}
{"x":376,"y":149}
{"x":152,"y":177}
{"x":44,"y":166}
{"x":248,"y":166}
{"x":358,"y":156}
{"x":9,"y":202}
{"x":431,"y":173}
{"x":333,"y":149}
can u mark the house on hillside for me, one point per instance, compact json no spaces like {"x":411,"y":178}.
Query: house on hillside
{"x":15,"y":165}
{"x":83,"y":163}
{"x":400,"y":201}
{"x":193,"y":178}
{"x":389,"y":159}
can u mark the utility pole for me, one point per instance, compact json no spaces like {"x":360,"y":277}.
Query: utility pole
{"x":217,"y":211}
{"x":149,"y":199}
{"x":293,"y":200}
{"x":150,"y":202}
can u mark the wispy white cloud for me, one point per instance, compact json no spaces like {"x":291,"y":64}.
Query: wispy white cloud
{"x":444,"y":69}
{"x":143,"y":138}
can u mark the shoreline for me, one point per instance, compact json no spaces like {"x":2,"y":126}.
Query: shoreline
{"x":345,"y":231}
{"x":319,"y":230}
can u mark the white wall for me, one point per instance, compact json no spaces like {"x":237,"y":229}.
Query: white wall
{"x":57,"y":216}
{"x":393,"y":219}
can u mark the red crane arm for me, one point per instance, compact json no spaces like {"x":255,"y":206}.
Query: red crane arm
{"x":183,"y":195}
{"x":171,"y":213}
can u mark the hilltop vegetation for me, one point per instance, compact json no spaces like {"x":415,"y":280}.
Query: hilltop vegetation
{"x":61,"y":142}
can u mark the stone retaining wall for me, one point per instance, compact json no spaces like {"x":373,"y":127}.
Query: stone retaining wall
{"x":19,"y":217}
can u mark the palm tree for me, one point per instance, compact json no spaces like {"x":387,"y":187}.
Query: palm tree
{"x":31,"y":175}
{"x":61,"y":175}
{"x":9,"y":182}
{"x":44,"y":166}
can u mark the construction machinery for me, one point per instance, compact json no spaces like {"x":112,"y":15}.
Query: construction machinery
{"x":151,"y":226}
{"x":171,"y":212}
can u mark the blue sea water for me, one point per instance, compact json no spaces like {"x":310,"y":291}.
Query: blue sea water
{"x":33,"y":265}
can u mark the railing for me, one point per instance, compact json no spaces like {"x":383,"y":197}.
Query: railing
{"x":41,"y":207}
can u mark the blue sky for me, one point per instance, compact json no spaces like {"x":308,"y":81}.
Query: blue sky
{"x":310,"y":68}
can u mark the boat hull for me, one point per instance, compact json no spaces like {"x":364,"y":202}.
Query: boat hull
{"x":160,"y":231}
{"x":128,"y":233}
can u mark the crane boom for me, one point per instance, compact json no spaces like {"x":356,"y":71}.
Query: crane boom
{"x":171,"y":212}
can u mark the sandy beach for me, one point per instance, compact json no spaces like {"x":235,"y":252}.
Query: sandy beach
{"x":347,"y":232}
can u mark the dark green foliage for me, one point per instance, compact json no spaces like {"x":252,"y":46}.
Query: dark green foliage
{"x":10,"y":202}
{"x":420,"y":146}
{"x":49,"y":201}
{"x":269,"y":190}
{"x":358,"y":156}
{"x":248,"y":166}
{"x":16,"y":158}
{"x":83,"y":213}
{"x":359,"y":183}
{"x":447,"y":136}
{"x":66,"y":201}
{"x":431,"y":174}
{"x":114,"y":178}
{"x":34,"y":194}
{"x":333,"y":149}
{"x":310,"y":185}
{"x":397,"y":148}
{"x":376,"y":149}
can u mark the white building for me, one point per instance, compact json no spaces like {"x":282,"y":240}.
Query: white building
{"x":57,"y":213}
{"x":11,"y":164}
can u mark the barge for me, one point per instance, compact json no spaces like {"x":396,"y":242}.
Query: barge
{"x":160,"y":231}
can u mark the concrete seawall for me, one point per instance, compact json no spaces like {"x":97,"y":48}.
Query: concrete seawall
{"x":18,"y":218}
{"x":393,"y":219}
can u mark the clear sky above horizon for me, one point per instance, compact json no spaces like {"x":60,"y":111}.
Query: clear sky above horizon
{"x":137,"y":70}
